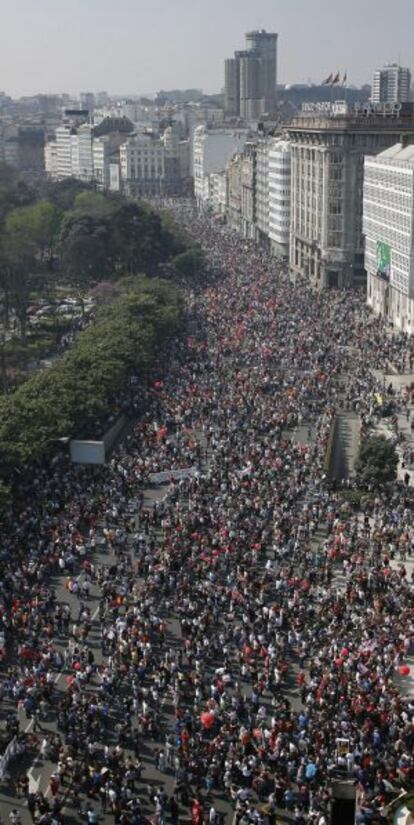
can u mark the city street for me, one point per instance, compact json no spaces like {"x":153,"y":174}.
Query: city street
{"x":209,"y":649}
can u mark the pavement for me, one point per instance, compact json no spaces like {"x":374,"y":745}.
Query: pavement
{"x":39,"y":769}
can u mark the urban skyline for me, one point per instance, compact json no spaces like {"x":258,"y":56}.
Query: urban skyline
{"x":144,"y":48}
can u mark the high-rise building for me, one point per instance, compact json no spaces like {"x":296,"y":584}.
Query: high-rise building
{"x":101,"y":98}
{"x":64,"y":135}
{"x":252,"y":104}
{"x":327,"y":167}
{"x":264,"y":45}
{"x":82,"y":153}
{"x":87,"y":101}
{"x":232,"y":86}
{"x":279,"y":196}
{"x":388,"y":225}
{"x":251,"y":77}
{"x":391,"y":84}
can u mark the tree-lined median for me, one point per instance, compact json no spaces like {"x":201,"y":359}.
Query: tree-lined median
{"x":73,"y":397}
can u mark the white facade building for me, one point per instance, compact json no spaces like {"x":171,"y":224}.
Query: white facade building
{"x":64,"y":136}
{"x":388,"y":226}
{"x":279,"y":197}
{"x":51,"y":159}
{"x":82,"y":153}
{"x":142,"y":160}
{"x":104,"y":148}
{"x":391,"y":84}
{"x":327,"y":158}
{"x":71,"y":154}
{"x":149,"y":165}
{"x":212,"y":151}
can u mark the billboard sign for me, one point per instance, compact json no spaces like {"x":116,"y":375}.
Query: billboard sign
{"x":383,"y":261}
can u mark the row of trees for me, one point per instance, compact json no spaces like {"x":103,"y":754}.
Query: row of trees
{"x":72,"y":398}
{"x":77,"y":236}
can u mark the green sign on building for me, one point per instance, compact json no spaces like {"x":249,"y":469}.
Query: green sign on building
{"x":383,"y":260}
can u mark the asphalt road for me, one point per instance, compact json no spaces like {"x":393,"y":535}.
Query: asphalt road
{"x":39,"y":769}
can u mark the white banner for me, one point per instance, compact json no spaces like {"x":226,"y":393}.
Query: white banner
{"x":170,"y":475}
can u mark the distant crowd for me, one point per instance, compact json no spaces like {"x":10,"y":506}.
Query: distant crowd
{"x":245,"y":639}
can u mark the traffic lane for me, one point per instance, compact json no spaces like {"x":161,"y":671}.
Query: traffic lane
{"x":38,"y":769}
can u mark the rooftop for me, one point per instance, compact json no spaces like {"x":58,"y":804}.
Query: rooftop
{"x":398,"y":152}
{"x":350,"y":123}
{"x":261,"y":33}
{"x":339,"y":115}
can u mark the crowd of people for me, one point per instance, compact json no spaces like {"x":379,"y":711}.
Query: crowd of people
{"x":252,"y":631}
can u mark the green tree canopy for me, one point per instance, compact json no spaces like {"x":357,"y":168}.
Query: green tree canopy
{"x":36,"y":225}
{"x":14,"y":192}
{"x":72,"y":398}
{"x":139,"y":238}
{"x":189,"y":264}
{"x":63,"y":194}
{"x":86,"y":249}
{"x":96,"y":204}
{"x":377,"y":461}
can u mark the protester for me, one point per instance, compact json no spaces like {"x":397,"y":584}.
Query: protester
{"x":251,"y":625}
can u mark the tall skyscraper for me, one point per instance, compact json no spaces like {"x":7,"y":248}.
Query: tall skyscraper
{"x":264,"y":45}
{"x":251,"y":105}
{"x":87,"y":101}
{"x":251,"y":76}
{"x":232,"y":86}
{"x":391,"y":84}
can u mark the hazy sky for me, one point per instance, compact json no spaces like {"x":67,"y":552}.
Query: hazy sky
{"x":137,"y":46}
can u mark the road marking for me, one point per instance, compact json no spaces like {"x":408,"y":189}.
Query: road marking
{"x":33,"y":783}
